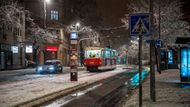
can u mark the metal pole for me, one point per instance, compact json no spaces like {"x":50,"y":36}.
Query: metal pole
{"x":45,"y":13}
{"x":158,"y":49}
{"x":159,"y":20}
{"x":140,"y":71}
{"x":152,"y":56}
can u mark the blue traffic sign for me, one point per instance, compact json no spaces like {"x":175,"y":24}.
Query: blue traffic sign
{"x":159,"y":43}
{"x":139,"y":24}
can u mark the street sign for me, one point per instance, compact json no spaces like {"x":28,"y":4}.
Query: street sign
{"x":73,"y":35}
{"x":74,"y":42}
{"x":139,"y":24}
{"x":159,"y":43}
{"x":149,"y":41}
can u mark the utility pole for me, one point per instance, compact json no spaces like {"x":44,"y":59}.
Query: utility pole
{"x":140,"y":28}
{"x":152,"y":56}
{"x":158,"y":49}
{"x":140,"y":70}
{"x":45,"y":9}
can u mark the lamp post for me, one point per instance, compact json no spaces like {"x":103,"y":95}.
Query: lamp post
{"x":45,"y":11}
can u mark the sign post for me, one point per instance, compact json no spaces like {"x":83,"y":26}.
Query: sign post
{"x":140,"y":26}
{"x":73,"y":56}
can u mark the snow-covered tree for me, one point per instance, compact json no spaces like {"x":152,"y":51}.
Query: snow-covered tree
{"x":10,"y":15}
{"x":171,"y":24}
{"x":131,"y":49}
{"x":13,"y":13}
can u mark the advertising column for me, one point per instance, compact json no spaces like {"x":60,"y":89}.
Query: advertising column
{"x":73,"y":56}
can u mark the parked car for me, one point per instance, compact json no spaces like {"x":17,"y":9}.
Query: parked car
{"x":50,"y":67}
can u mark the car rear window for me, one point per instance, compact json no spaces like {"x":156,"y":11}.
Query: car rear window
{"x":58,"y":62}
{"x":52,"y":63}
{"x":49,"y":63}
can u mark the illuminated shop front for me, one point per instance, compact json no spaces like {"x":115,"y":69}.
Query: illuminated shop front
{"x":51,"y":52}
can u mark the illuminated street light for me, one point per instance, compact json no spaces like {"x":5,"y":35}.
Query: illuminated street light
{"x":78,"y":24}
{"x":47,"y":1}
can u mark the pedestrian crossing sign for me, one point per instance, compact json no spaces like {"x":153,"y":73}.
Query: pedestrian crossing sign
{"x":139,"y":24}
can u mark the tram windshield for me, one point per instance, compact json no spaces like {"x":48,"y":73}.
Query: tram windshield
{"x":92,"y":53}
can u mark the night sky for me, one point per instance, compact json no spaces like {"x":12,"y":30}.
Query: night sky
{"x":112,"y":11}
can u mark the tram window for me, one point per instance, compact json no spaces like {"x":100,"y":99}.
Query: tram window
{"x":113,"y":54}
{"x":107,"y":54}
{"x":92,"y":53}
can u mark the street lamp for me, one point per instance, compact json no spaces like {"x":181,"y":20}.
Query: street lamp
{"x":45,"y":11}
{"x":48,"y":1}
{"x":78,"y":24}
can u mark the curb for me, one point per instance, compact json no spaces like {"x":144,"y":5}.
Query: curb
{"x":48,"y":97}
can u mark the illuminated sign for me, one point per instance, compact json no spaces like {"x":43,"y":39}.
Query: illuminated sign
{"x":52,"y":48}
{"x":28,"y":49}
{"x":14,"y":49}
{"x":184,"y":61}
{"x":170,"y":57}
{"x":73,"y":35}
{"x":185,"y":64}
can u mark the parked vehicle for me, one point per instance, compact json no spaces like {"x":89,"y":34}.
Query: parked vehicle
{"x":50,"y":67}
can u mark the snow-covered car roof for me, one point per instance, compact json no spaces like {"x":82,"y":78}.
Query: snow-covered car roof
{"x":54,"y":60}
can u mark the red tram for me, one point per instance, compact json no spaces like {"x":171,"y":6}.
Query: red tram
{"x":98,"y":59}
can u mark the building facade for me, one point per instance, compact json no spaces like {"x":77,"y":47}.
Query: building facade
{"x":54,"y":45}
{"x":19,"y":46}
{"x":12,"y":37}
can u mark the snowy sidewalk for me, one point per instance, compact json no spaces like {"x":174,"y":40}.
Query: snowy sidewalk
{"x":168,"y":92}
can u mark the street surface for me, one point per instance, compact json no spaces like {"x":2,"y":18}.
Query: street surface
{"x":21,"y":92}
{"x":105,"y":93}
{"x":22,"y":74}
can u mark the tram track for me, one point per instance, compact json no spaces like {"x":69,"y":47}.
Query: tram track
{"x":95,"y":97}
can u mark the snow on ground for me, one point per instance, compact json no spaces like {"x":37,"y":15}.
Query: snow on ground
{"x":168,"y":92}
{"x":21,"y":91}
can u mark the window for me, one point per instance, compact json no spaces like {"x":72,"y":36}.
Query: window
{"x":54,"y":15}
{"x":93,"y":53}
{"x":107,"y":54}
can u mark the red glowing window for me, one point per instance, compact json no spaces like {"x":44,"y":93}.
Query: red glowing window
{"x":51,"y":48}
